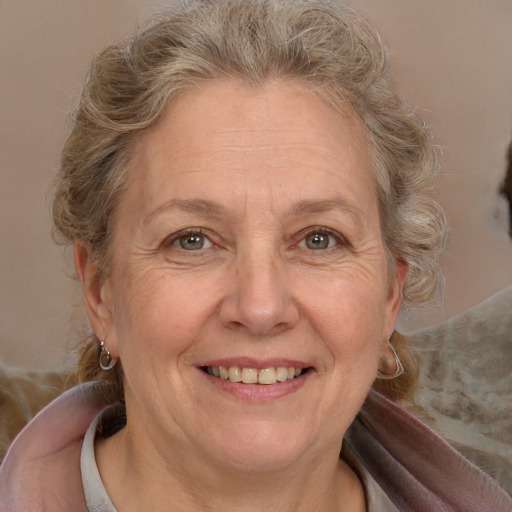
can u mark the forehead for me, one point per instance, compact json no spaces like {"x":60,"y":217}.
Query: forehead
{"x":278,"y":138}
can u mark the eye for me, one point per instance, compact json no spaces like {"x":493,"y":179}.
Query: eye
{"x":192,"y":241}
{"x":320,"y":240}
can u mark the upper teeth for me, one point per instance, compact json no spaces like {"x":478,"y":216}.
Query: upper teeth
{"x":253,"y":375}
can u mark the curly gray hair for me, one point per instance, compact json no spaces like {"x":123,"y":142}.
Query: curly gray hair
{"x":318,"y":42}
{"x":327,"y":46}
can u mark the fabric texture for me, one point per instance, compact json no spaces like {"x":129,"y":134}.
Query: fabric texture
{"x":23,"y":393}
{"x":96,"y":496}
{"x":417,"y":469}
{"x":465,"y":383}
{"x":41,"y":471}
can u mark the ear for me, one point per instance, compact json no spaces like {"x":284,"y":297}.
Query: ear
{"x":96,"y":293}
{"x":394,"y":300}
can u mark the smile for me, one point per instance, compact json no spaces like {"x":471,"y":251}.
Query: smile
{"x":248,"y":375}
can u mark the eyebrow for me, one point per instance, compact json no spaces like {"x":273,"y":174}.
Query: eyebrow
{"x":196,"y":206}
{"x":207,"y":208}
{"x":307,"y":207}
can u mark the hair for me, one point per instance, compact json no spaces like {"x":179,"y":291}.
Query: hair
{"x":320,"y":43}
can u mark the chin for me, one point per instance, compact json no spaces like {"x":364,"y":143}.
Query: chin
{"x":268,"y":446}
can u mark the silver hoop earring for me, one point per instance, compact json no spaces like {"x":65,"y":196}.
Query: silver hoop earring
{"x":107,"y":362}
{"x":399,"y":369}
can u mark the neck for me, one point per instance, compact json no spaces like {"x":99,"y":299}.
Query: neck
{"x":149,"y":478}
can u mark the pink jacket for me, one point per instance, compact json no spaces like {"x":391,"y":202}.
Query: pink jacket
{"x":416,"y":468}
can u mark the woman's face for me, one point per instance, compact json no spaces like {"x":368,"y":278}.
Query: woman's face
{"x":248,"y":245}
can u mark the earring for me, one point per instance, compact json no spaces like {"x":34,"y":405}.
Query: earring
{"x":391,"y":364}
{"x":107,"y":362}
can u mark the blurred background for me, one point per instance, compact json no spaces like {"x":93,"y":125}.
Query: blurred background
{"x":452,"y":58}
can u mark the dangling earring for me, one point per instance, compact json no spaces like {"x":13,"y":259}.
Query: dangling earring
{"x":392,"y":363}
{"x":107,"y":362}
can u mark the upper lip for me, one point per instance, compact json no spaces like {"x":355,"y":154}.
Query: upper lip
{"x":249,"y":362}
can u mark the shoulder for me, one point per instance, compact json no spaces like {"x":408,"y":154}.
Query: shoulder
{"x":41,"y":470}
{"x":415,"y":467}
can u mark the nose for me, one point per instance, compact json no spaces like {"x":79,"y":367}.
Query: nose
{"x":259,"y":301}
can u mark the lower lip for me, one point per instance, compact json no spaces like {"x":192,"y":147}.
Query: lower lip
{"x":259,"y":392}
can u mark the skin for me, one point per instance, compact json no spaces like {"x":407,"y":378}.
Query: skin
{"x":276,"y":165}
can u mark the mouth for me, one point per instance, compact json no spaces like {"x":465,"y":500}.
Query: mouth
{"x":250,"y":375}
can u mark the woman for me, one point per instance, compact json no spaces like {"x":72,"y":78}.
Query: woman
{"x":248,"y":201}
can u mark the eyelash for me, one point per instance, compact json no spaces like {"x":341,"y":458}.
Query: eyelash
{"x":319,"y":230}
{"x":173,"y":239}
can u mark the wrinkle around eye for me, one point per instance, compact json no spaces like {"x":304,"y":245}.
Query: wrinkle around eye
{"x":215,"y":250}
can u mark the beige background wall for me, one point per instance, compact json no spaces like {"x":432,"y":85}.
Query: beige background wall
{"x":452,"y":57}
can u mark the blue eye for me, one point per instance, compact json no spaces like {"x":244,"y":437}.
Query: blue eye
{"x":193,"y":242}
{"x":319,"y":240}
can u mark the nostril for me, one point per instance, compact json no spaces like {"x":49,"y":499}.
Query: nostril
{"x":258,"y":328}
{"x":279,"y":328}
{"x":235,"y":325}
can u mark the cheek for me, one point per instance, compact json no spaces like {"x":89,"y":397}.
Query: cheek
{"x":351,"y":321}
{"x":159,"y":316}
{"x":346,"y":305}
